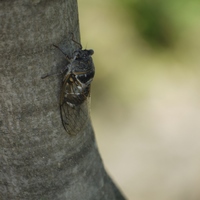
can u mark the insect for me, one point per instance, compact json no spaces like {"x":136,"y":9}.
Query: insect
{"x":75,"y":89}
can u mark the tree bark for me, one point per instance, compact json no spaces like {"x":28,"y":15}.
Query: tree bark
{"x":38,"y":159}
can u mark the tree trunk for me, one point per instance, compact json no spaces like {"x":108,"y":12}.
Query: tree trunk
{"x":38,"y":159}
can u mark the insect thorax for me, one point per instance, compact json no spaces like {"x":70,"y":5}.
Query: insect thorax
{"x":81,"y":75}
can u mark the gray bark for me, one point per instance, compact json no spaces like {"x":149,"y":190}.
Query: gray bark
{"x":38,"y":159}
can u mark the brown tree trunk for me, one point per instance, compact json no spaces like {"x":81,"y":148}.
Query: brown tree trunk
{"x":38,"y":159}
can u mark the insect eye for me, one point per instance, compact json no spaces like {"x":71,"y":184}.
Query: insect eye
{"x":90,"y":52}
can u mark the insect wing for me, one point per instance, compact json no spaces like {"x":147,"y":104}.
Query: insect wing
{"x":74,"y":105}
{"x":74,"y":118}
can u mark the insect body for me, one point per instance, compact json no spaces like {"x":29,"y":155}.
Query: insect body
{"x":75,"y":90}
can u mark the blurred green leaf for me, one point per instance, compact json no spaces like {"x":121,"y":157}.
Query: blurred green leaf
{"x":153,"y":21}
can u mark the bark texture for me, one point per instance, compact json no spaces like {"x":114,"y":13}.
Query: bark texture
{"x":38,"y":159}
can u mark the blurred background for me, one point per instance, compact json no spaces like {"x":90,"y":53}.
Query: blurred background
{"x":145,"y":95}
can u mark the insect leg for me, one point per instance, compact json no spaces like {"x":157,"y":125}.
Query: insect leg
{"x":75,"y":40}
{"x":68,"y":59}
{"x":53,"y":74}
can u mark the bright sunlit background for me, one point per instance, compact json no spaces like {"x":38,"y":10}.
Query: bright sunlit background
{"x":146,"y":94}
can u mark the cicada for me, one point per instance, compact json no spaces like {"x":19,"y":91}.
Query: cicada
{"x":75,"y":89}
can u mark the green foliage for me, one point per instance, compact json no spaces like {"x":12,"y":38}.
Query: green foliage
{"x":152,"y":21}
{"x":160,"y":22}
